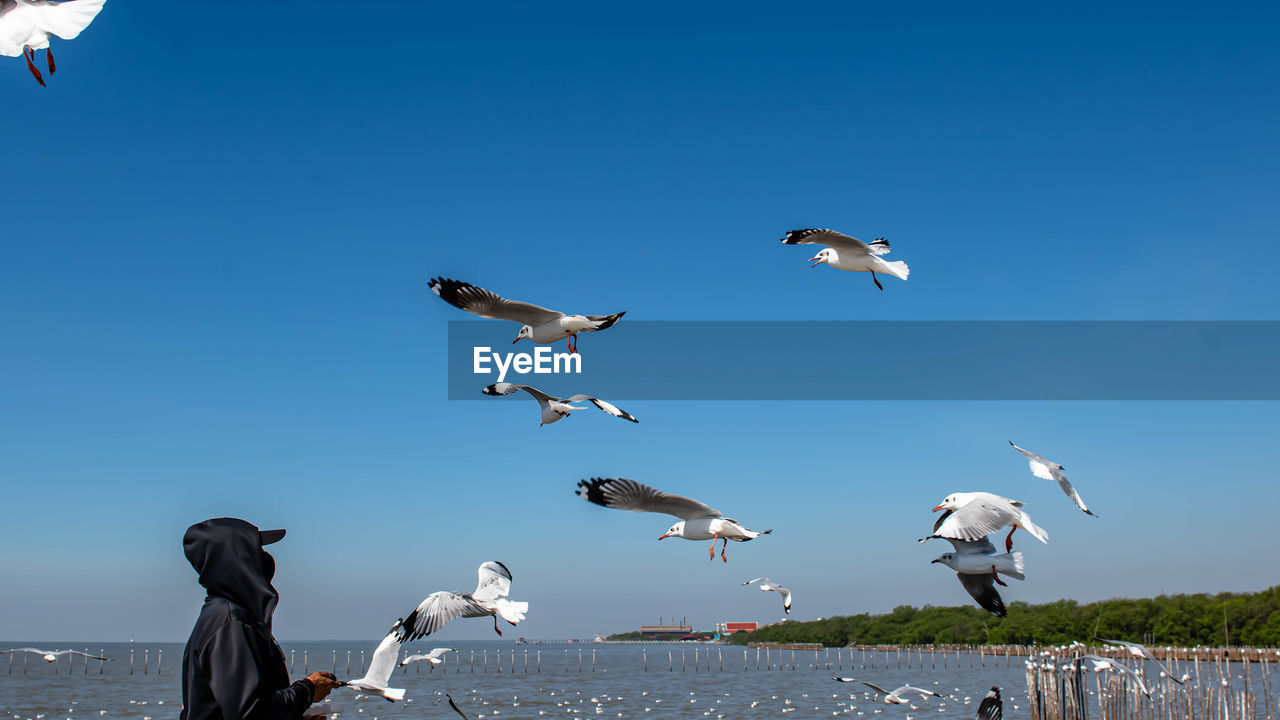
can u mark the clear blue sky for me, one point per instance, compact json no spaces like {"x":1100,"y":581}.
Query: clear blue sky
{"x":218,"y":230}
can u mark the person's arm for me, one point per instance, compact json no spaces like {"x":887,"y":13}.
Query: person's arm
{"x":236,"y":682}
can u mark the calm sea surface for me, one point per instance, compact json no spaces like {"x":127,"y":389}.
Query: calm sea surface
{"x":717,"y":686}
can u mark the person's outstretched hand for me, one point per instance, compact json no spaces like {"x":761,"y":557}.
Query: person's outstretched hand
{"x":323,"y":683}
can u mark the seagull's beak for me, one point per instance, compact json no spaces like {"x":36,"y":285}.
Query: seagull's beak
{"x":513,"y":342}
{"x":936,"y":508}
{"x":815,"y":264}
{"x":664,"y":536}
{"x":935,"y":560}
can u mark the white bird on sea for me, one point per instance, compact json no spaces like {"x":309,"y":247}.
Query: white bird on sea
{"x":538,"y":324}
{"x":1098,"y":663}
{"x":978,"y":568}
{"x":1046,"y":470}
{"x":1140,"y":651}
{"x":555,"y":408}
{"x":53,"y":655}
{"x":381,"y":666}
{"x":894,"y":697}
{"x":975,"y":515}
{"x":488,"y":599}
{"x":433,"y":657}
{"x":766,"y":585}
{"x":25,"y":27}
{"x":849,"y":253}
{"x":698,"y":521}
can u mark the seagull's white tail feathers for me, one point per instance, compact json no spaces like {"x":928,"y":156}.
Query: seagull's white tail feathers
{"x":1018,"y":566}
{"x":512,"y":612}
{"x":393,"y":694}
{"x":753,"y":534}
{"x":897,"y":268}
{"x":1036,"y":531}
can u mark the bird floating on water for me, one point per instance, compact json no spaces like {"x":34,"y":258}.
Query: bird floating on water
{"x":698,"y":520}
{"x":555,"y":408}
{"x":848,"y":253}
{"x":25,"y":27}
{"x":538,"y":324}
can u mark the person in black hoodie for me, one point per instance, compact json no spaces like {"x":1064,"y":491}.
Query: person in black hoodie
{"x":232,"y":668}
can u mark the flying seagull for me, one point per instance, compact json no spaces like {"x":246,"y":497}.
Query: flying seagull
{"x":432,"y":657}
{"x":488,"y":599}
{"x":891,"y":698}
{"x":1046,"y":470}
{"x":381,"y":666}
{"x":975,"y":515}
{"x":991,"y":707}
{"x":554,"y":408}
{"x":848,"y":253}
{"x":1140,"y":651}
{"x":25,"y":27}
{"x":977,"y":565}
{"x":766,"y":585}
{"x":538,"y":324}
{"x":698,"y":521}
{"x":1100,"y":663}
{"x":454,"y":705}
{"x":53,"y":655}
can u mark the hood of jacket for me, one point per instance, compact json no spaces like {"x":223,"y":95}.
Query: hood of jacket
{"x":227,"y":554}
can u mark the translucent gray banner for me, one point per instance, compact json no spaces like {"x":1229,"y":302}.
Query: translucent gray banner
{"x":658,"y":360}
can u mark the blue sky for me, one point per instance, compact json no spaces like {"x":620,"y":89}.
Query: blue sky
{"x":218,"y":237}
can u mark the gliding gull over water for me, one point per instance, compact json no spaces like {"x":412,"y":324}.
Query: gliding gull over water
{"x":1047,"y":470}
{"x":555,"y":408}
{"x":381,"y":666}
{"x":849,"y":253}
{"x":488,"y":599}
{"x":975,"y":515}
{"x":538,"y":324}
{"x":766,"y":585}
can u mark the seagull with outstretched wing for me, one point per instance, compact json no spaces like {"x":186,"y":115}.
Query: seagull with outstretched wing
{"x":489,"y":599}
{"x":1047,"y":470}
{"x":844,"y":252}
{"x":767,"y":585}
{"x":555,"y":408}
{"x":539,"y":324}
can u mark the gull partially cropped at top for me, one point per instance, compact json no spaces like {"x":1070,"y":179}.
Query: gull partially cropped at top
{"x":25,"y":27}
{"x":433,"y":657}
{"x":991,"y":707}
{"x":698,"y":521}
{"x":381,"y":666}
{"x":978,"y":568}
{"x":1046,"y":470}
{"x":1138,"y":650}
{"x":555,"y":408}
{"x":894,"y":697}
{"x":538,"y":324}
{"x":767,"y":585}
{"x":848,"y":253}
{"x":52,"y":655}
{"x":488,"y":599}
{"x":975,"y":515}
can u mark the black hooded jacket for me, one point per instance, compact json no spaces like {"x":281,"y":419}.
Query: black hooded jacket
{"x":232,"y":668}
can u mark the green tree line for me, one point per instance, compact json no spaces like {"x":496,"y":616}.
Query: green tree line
{"x":1179,"y":620}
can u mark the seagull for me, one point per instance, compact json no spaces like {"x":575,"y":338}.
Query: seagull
{"x":974,"y":515}
{"x":554,"y":408}
{"x":454,"y":705}
{"x":698,"y":521}
{"x":977,"y":565}
{"x":381,"y":666}
{"x":488,"y":599}
{"x":848,"y":253}
{"x":538,"y":324}
{"x":432,"y":657}
{"x":991,"y":707}
{"x":1046,"y":470}
{"x":891,"y":698}
{"x":766,"y":585}
{"x":25,"y":27}
{"x":53,"y":655}
{"x":1140,"y":651}
{"x":1100,"y":663}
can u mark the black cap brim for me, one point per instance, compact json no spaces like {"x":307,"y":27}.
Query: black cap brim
{"x":270,"y":536}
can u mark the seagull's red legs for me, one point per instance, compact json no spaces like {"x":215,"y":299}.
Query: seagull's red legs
{"x":27,"y":54}
{"x":1008,"y":540}
{"x":495,"y":625}
{"x":722,"y":548}
{"x":573,"y":344}
{"x":995,"y":576}
{"x":48,"y":58}
{"x":875,"y":280}
{"x":711,"y":553}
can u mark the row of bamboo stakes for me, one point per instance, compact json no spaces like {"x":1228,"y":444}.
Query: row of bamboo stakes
{"x":1058,"y":687}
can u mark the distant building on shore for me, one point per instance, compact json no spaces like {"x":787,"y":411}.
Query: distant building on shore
{"x":729,"y":628}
